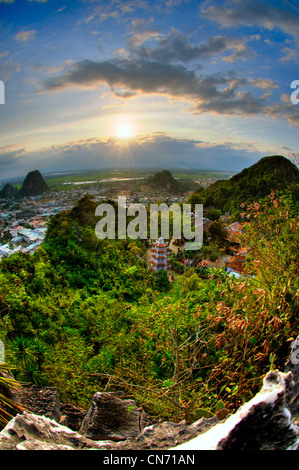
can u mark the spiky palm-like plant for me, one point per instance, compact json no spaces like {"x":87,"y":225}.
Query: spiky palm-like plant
{"x":28,"y":356}
{"x":7,"y":405}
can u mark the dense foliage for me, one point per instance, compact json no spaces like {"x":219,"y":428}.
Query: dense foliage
{"x":83,"y":315}
{"x":252,"y":184}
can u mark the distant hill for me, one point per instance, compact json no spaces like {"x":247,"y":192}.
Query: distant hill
{"x":165,"y":181}
{"x":8,"y":191}
{"x":253,"y":183}
{"x":33,"y":185}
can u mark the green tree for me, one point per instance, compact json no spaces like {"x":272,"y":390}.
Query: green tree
{"x":195,"y":198}
{"x":214,"y":214}
{"x":218,"y":233}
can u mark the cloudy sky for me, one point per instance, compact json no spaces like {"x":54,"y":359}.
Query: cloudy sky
{"x":93,"y":84}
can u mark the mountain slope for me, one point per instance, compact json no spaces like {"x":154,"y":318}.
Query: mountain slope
{"x":251,"y":184}
{"x":33,"y":185}
{"x":8,"y":191}
{"x":164,"y":182}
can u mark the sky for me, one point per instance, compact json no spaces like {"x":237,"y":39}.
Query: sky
{"x":183,"y":84}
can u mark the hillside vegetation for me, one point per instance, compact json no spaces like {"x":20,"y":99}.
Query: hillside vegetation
{"x":253,"y":183}
{"x":83,"y":314}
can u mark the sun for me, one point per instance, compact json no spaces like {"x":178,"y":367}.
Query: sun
{"x":124,"y":131}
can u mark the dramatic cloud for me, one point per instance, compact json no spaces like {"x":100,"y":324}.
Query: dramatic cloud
{"x":10,"y":156}
{"x":214,"y":70}
{"x":137,"y":75}
{"x":216,"y":93}
{"x":176,"y":47}
{"x":252,"y":12}
{"x":140,"y":33}
{"x":242,"y":103}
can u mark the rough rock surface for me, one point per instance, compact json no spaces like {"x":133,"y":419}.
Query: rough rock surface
{"x":8,"y":191}
{"x":166,"y":435}
{"x":264,"y":423}
{"x":28,"y":431}
{"x":71,"y":416}
{"x":33,"y":185}
{"x":41,"y":401}
{"x":112,"y":418}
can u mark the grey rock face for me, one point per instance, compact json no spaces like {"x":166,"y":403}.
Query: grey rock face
{"x":112,"y":418}
{"x":166,"y":435}
{"x":33,"y":185}
{"x":28,"y":431}
{"x":41,"y":401}
{"x":72,"y":416}
{"x":264,"y":423}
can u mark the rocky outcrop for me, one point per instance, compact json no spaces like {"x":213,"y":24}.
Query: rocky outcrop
{"x":41,"y":401}
{"x":28,"y":431}
{"x":8,"y":191}
{"x":112,"y":418}
{"x":165,"y":181}
{"x":33,"y":185}
{"x":166,"y":435}
{"x":71,"y":416}
{"x":264,"y":423}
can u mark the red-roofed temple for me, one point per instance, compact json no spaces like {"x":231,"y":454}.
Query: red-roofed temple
{"x":160,"y":255}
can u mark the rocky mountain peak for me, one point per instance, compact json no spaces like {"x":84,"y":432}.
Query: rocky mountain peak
{"x":33,"y":185}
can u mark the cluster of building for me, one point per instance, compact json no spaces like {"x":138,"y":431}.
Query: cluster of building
{"x":23,"y":224}
{"x":18,"y":237}
{"x":234,"y":265}
{"x":24,"y":240}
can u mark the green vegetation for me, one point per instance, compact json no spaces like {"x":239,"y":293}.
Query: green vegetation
{"x":136,"y":179}
{"x":252,"y":184}
{"x":83,"y":314}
